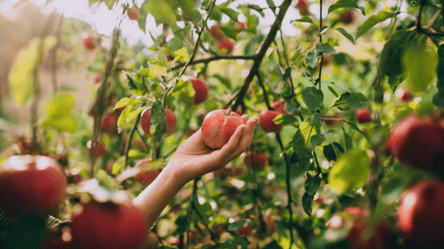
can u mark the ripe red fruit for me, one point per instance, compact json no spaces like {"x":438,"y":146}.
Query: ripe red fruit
{"x":421,"y":216}
{"x":302,"y":6}
{"x":133,"y":13}
{"x":362,"y":115}
{"x":404,"y":95}
{"x":97,"y":78}
{"x":109,"y":123}
{"x":347,"y":17}
{"x":239,"y":26}
{"x":382,"y":236}
{"x":416,"y":142}
{"x":201,"y":88}
{"x":174,"y":241}
{"x":89,"y":41}
{"x":266,"y":121}
{"x":100,"y":150}
{"x":170,"y":120}
{"x":225,"y":46}
{"x":108,"y":225}
{"x":216,"y":32}
{"x":218,"y":126}
{"x":245,"y":230}
{"x":255,"y":160}
{"x":146,"y":178}
{"x":31,"y":185}
{"x":279,"y":106}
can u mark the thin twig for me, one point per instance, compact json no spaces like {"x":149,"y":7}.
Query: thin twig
{"x":214,"y":236}
{"x":190,"y":211}
{"x":130,"y":137}
{"x":261,"y":84}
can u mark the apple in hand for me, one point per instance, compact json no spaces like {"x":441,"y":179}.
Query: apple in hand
{"x":133,"y":13}
{"x":201,"y":89}
{"x":363,"y":115}
{"x":404,"y":95}
{"x":216,"y":32}
{"x":225,"y":46}
{"x":255,"y":160}
{"x":108,"y":225}
{"x":416,"y":142}
{"x":218,"y":126}
{"x":146,"y":178}
{"x":31,"y":185}
{"x":421,"y":216}
{"x":266,"y":121}
{"x":170,"y":119}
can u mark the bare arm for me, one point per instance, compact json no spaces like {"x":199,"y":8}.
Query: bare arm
{"x":191,"y":160}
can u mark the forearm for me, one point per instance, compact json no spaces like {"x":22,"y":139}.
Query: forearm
{"x":158,"y":194}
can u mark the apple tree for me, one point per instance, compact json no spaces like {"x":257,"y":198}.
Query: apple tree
{"x":348,"y":151}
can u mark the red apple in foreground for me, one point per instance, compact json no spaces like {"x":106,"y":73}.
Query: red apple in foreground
{"x":225,"y":46}
{"x":363,"y":115}
{"x":108,"y":225}
{"x":266,"y":121}
{"x":417,"y":142}
{"x":133,"y":13}
{"x":216,"y":33}
{"x":255,"y":160}
{"x":31,"y":185}
{"x":201,"y":89}
{"x":170,"y":120}
{"x":146,"y":178}
{"x":421,"y":216}
{"x":218,"y":126}
{"x":404,"y":95}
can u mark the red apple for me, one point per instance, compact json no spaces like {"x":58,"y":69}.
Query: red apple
{"x":100,"y":150}
{"x":216,"y":32}
{"x":109,"y":123}
{"x":174,"y":241}
{"x":218,"y":126}
{"x":421,"y":216}
{"x":279,"y":106}
{"x":245,"y":230}
{"x":31,"y":185}
{"x":238,"y":171}
{"x":225,"y":46}
{"x":416,"y":142}
{"x":170,"y":120}
{"x":362,"y":115}
{"x":89,"y":41}
{"x":108,"y":225}
{"x":404,"y":95}
{"x":266,"y":121}
{"x":146,"y":178}
{"x":255,"y":160}
{"x":347,"y":17}
{"x":381,"y":236}
{"x":133,"y":13}
{"x":97,"y":78}
{"x":201,"y":88}
{"x":302,"y":6}
{"x":239,"y":26}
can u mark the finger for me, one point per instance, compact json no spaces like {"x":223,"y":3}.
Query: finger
{"x":231,"y":145}
{"x":244,"y":118}
{"x":247,"y":136}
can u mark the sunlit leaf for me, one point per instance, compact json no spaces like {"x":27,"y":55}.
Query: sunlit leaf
{"x":313,"y":98}
{"x":373,"y":20}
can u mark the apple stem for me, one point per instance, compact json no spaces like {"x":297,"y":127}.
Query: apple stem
{"x":229,"y":111}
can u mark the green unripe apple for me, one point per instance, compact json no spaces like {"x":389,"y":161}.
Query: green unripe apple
{"x":420,"y":64}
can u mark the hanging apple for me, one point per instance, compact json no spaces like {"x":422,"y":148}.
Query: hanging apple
{"x":170,"y":120}
{"x":266,"y":121}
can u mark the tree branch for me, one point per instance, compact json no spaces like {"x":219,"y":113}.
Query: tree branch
{"x":190,"y":211}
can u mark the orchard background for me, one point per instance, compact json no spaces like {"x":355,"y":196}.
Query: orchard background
{"x":348,"y":151}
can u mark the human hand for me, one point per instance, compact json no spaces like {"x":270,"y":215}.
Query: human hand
{"x":194,"y":158}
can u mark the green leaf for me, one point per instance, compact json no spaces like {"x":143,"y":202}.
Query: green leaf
{"x":21,"y":76}
{"x":271,"y":4}
{"x":303,"y":19}
{"x":123,"y":116}
{"x":303,"y":153}
{"x":184,"y":90}
{"x":343,"y":4}
{"x":118,"y":165}
{"x":350,"y":100}
{"x":350,"y":172}
{"x":175,"y":43}
{"x":331,"y":150}
{"x":230,"y":13}
{"x":127,"y":101}
{"x":390,"y":62}
{"x":325,"y":47}
{"x":158,"y":121}
{"x":419,"y":61}
{"x":313,"y":98}
{"x":235,"y":225}
{"x":346,"y":34}
{"x":57,"y":114}
{"x":333,"y":91}
{"x":356,"y":128}
{"x":312,"y":184}
{"x":347,"y":139}
{"x":307,"y":202}
{"x":133,"y":87}
{"x":134,"y":114}
{"x":143,"y":14}
{"x":285,"y":119}
{"x":311,"y":59}
{"x":229,"y":32}
{"x":158,"y":69}
{"x":293,"y":107}
{"x":162,"y":11}
{"x":373,"y":20}
{"x":224,"y":80}
{"x":182,"y":54}
{"x":438,"y":99}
